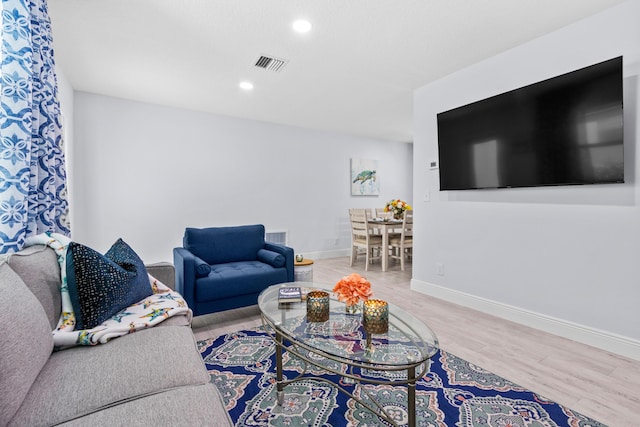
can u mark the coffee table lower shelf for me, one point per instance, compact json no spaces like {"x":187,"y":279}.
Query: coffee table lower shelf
{"x":294,"y":347}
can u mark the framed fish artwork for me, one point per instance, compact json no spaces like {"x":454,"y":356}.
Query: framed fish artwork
{"x":364,"y":177}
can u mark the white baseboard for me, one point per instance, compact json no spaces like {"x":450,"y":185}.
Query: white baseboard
{"x":608,"y":341}
{"x":327,"y":254}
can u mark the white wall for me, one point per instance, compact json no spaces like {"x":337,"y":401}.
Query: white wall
{"x":145,"y":172}
{"x":566,"y":259}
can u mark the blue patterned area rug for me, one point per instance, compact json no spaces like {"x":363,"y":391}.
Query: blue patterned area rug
{"x":453,"y":392}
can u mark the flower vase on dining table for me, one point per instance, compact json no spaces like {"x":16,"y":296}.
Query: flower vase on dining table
{"x":397,"y":208}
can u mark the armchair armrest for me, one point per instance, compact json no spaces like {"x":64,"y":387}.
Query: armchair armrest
{"x":287,"y":252}
{"x":185,"y":264}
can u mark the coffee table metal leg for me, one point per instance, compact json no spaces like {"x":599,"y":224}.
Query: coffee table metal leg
{"x":279,"y":385}
{"x":411,"y":396}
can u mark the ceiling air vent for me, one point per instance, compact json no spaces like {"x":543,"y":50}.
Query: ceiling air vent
{"x":270,"y":63}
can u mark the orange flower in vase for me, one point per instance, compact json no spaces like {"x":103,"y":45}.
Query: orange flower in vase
{"x":351,"y":290}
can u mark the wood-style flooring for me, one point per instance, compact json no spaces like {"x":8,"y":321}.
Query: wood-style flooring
{"x":594,"y":382}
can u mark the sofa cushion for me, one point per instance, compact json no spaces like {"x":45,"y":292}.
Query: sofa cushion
{"x":274,"y":259}
{"x":88,"y":379}
{"x":102,"y":285}
{"x":219,"y":245}
{"x":179,"y":320}
{"x":237,"y":278}
{"x":25,"y":341}
{"x":39,"y":269}
{"x":199,"y":405}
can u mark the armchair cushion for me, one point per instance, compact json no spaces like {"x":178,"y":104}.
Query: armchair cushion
{"x":219,"y":245}
{"x":101,"y":285}
{"x":237,"y":278}
{"x":274,"y":259}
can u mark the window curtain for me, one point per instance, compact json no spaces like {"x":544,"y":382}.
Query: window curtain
{"x":33,"y":192}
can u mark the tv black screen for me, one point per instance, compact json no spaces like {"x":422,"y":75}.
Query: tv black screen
{"x":561,"y":131}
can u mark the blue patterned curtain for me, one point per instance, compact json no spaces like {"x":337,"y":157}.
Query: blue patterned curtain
{"x":33,"y":195}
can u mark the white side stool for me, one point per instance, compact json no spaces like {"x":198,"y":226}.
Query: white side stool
{"x":303,"y":270}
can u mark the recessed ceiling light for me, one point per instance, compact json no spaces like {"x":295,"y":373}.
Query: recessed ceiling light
{"x":246,"y":85}
{"x":302,"y":26}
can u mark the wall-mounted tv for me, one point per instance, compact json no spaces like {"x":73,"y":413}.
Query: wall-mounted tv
{"x":561,"y":131}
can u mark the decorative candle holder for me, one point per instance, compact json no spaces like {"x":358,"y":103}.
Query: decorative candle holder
{"x":317,"y":306}
{"x":375,"y":317}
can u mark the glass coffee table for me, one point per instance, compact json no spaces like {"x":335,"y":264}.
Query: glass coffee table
{"x":405,"y":348}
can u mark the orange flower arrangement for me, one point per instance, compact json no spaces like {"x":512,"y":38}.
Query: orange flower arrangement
{"x":353,"y":288}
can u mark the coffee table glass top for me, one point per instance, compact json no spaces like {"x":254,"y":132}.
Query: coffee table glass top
{"x":408,"y":341}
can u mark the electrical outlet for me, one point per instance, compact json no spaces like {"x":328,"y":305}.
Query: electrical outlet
{"x":440,"y":269}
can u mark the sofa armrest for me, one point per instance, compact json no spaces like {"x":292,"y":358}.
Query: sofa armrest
{"x":164,"y":272}
{"x":185,"y":265}
{"x":287,"y":252}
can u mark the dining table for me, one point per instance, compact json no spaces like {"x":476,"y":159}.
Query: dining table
{"x":386,"y":227}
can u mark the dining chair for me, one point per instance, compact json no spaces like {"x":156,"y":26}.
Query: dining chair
{"x":362,"y":237}
{"x":380,"y":213}
{"x":401,"y":246}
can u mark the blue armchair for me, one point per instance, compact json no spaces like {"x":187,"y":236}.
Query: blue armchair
{"x":221,"y":268}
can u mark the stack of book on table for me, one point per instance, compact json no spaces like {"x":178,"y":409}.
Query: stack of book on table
{"x":289,"y":294}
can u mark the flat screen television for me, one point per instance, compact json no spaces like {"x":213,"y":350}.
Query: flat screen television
{"x":562,"y":131}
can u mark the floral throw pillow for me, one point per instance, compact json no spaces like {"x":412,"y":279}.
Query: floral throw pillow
{"x":102,"y":285}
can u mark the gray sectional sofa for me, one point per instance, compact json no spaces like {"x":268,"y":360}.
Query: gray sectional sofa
{"x":149,"y":378}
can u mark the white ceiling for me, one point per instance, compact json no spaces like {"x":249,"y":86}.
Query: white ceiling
{"x":355,"y":72}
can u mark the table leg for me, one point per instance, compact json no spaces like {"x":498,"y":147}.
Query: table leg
{"x":385,"y":248}
{"x":411,"y":396}
{"x":279,"y":385}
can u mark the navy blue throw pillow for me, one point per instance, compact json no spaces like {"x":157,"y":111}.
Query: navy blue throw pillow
{"x":274,"y":259}
{"x":102,"y":285}
{"x":202,"y":268}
